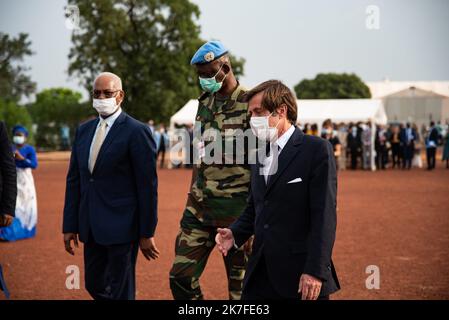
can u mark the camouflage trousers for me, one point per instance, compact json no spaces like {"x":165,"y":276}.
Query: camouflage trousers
{"x":192,"y":249}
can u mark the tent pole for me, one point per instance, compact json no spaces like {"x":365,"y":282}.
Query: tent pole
{"x":373,"y":135}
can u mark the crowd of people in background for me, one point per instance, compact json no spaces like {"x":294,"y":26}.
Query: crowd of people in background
{"x":395,"y":146}
{"x":161,"y":139}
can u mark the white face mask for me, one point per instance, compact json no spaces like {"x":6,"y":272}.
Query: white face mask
{"x":262,"y":129}
{"x":327,"y":131}
{"x":105,"y":107}
{"x":18,"y":139}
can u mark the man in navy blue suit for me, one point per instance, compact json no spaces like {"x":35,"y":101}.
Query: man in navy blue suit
{"x":111,"y":194}
{"x":291,"y":207}
{"x":408,"y":136}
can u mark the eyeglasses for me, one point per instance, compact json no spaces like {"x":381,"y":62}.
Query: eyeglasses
{"x":107,"y":93}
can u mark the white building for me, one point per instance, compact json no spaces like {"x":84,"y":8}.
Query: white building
{"x":413,"y":101}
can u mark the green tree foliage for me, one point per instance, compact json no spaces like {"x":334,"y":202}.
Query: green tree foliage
{"x":238,"y":65}
{"x":14,"y":82}
{"x":13,"y":114}
{"x":148,"y":43}
{"x":332,"y":86}
{"x":55,"y":108}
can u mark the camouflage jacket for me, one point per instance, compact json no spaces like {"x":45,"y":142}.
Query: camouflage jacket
{"x":218,"y":195}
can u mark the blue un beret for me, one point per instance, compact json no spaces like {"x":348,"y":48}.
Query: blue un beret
{"x":208,"y":52}
{"x":20,"y":128}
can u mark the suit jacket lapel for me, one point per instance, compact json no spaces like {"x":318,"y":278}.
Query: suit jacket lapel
{"x":286,"y":156}
{"x":109,"y":138}
{"x":260,"y":179}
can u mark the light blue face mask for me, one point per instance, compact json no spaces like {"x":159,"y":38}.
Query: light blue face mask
{"x":211,"y":84}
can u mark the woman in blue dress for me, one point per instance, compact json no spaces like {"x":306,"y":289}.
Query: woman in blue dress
{"x":24,"y":223}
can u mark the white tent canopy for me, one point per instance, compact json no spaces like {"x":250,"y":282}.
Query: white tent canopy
{"x":185,"y":115}
{"x":341,"y":110}
{"x":385,"y":88}
{"x":311,"y":111}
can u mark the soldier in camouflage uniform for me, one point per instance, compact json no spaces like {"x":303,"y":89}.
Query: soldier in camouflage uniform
{"x":218,"y":191}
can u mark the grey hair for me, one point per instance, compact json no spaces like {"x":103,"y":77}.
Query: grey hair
{"x":115,"y":78}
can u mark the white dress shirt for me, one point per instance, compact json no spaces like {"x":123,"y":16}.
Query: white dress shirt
{"x":109,"y":122}
{"x":270,"y":163}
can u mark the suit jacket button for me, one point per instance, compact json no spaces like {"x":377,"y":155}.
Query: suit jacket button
{"x":266,"y":226}
{"x":265,"y":202}
{"x":91,"y":179}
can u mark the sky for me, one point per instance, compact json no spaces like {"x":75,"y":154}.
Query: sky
{"x":287,"y":40}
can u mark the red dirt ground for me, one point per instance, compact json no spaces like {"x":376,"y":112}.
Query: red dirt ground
{"x":397,"y":220}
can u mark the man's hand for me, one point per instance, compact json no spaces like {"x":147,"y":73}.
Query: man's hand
{"x":148,"y":248}
{"x":224,"y":240}
{"x":5,"y":220}
{"x":309,"y":287}
{"x":68,"y":237}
